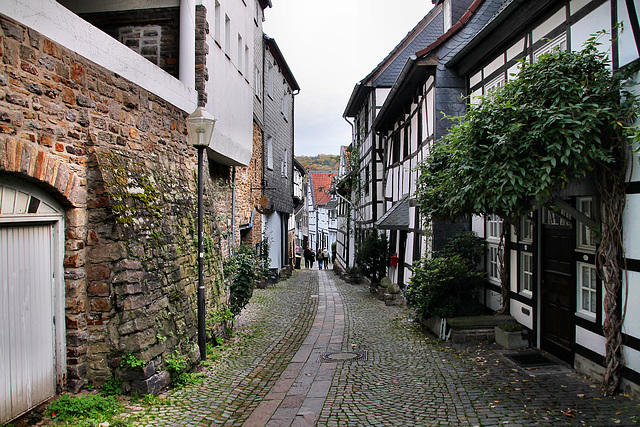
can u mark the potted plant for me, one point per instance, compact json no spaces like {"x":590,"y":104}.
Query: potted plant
{"x":511,"y":336}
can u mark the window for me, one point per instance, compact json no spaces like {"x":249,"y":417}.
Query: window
{"x":494,"y":84}
{"x":494,"y":226}
{"x":407,"y":137}
{"x":240,"y":54}
{"x":555,"y":218}
{"x":285,"y":164}
{"x":227,"y":35}
{"x":585,"y":235}
{"x":559,"y":43}
{"x":526,"y":272}
{"x":270,"y":72}
{"x":218,"y":23}
{"x":494,"y":266}
{"x":247,"y":62}
{"x":269,"y":153}
{"x":526,"y":228}
{"x":257,"y":82}
{"x":587,"y":295}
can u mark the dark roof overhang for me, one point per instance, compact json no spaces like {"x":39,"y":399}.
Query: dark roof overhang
{"x":415,"y":73}
{"x":396,"y":218}
{"x":265,"y":3}
{"x":279,"y":57}
{"x":359,"y":94}
{"x":514,"y":17}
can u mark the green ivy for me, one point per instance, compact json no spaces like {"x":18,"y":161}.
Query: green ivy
{"x":559,"y":119}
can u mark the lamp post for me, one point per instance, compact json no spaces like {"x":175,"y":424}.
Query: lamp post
{"x":200,"y":126}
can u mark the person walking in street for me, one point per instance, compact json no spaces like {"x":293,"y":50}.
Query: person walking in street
{"x":307,"y":255}
{"x":312,"y":257}
{"x":325,"y":257}
{"x":320,"y":260}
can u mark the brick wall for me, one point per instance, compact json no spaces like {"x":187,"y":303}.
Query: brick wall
{"x":118,"y":158}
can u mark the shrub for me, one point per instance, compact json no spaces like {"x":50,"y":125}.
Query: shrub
{"x":244,"y":273}
{"x":373,"y":256}
{"x":446,"y":285}
{"x":442,"y":287}
{"x":176,"y":365}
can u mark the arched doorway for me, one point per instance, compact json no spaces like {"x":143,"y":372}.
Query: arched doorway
{"x":32,"y":341}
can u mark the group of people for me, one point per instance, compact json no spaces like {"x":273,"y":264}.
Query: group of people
{"x":310,"y":257}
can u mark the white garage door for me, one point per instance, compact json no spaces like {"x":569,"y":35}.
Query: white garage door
{"x":27,"y":302}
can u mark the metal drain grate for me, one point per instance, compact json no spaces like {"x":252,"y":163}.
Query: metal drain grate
{"x":343,"y":356}
{"x":531,"y":360}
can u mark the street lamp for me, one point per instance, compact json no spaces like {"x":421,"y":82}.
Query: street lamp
{"x":200,"y":126}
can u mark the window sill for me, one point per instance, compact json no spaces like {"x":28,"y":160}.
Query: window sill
{"x":591,"y":317}
{"x":526,"y":294}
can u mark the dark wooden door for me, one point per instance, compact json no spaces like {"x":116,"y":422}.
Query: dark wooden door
{"x":557,"y":292}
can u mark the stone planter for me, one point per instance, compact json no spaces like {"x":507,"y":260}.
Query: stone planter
{"x":511,"y":340}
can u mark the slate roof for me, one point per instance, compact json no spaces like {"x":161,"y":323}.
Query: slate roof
{"x":425,"y":37}
{"x":483,"y":15}
{"x":396,"y":218}
{"x":387,"y":71}
{"x":321,"y":186}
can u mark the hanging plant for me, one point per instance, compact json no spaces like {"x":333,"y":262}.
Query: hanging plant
{"x":564,"y":117}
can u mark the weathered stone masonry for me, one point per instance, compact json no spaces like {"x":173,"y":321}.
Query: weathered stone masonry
{"x":118,"y":158}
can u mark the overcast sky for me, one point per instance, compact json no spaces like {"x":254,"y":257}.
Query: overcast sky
{"x":331,"y":45}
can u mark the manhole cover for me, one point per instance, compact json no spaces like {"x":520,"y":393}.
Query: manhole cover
{"x":530,"y":360}
{"x":342,"y":356}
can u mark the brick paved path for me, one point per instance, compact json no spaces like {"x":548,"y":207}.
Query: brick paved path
{"x":287,"y":368}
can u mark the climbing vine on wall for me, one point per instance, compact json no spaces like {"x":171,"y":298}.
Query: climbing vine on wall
{"x":563,"y":118}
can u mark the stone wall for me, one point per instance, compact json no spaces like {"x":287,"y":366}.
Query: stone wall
{"x":119,"y":160}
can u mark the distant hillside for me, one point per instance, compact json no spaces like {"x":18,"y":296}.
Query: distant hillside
{"x":321,"y":162}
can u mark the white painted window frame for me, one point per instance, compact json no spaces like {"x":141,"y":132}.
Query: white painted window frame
{"x":587,"y":289}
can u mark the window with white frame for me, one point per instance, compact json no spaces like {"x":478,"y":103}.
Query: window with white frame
{"x":494,"y":226}
{"x":526,"y":228}
{"x":587,"y":294}
{"x":559,"y":217}
{"x":585,"y":237}
{"x":526,"y":272}
{"x":494,"y":266}
{"x":494,"y":84}
{"x":269,"y":153}
{"x":257,"y":82}
{"x":558,"y":43}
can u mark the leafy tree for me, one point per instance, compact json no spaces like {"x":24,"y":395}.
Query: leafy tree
{"x":562,"y":118}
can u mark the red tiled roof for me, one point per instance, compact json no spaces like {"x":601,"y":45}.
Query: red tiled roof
{"x":321,"y":186}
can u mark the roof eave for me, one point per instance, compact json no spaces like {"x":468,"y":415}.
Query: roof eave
{"x":279,"y":57}
{"x":414,"y":73}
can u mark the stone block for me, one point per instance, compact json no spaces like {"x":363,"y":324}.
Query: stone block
{"x":152,"y":385}
{"x":107,"y":252}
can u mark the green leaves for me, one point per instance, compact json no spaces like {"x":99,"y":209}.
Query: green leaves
{"x":561,"y":118}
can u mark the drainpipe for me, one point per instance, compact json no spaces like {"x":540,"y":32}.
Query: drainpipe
{"x":232,"y":247}
{"x":187,"y":54}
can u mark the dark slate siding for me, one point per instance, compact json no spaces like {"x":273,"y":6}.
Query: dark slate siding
{"x":280,"y":191}
{"x":450,"y":87}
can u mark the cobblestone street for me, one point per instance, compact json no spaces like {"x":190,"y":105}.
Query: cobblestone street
{"x":314,"y":350}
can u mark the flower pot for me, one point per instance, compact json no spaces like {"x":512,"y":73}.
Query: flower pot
{"x":511,"y":340}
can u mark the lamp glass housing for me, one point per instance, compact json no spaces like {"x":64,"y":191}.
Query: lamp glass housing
{"x":200,"y":126}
